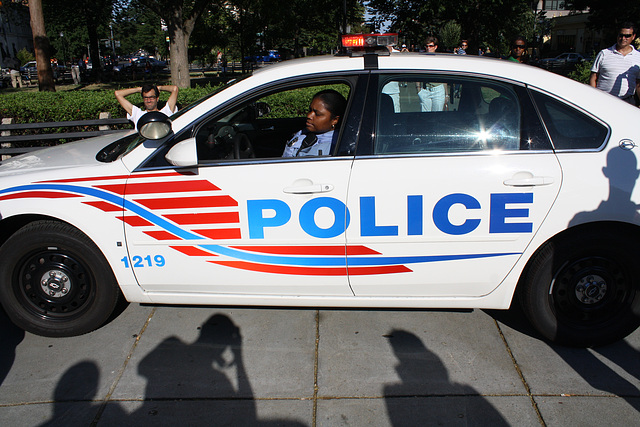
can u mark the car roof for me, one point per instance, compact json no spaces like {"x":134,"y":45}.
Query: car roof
{"x":445,"y":64}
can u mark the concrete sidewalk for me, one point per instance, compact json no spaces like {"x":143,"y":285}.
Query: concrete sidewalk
{"x":247,"y":366}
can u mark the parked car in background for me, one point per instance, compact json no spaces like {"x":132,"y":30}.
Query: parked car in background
{"x":29,"y":71}
{"x":564,"y":62}
{"x":266,"y":56}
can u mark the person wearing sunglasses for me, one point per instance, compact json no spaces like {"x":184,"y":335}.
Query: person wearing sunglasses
{"x":617,"y":69}
{"x":462,"y":50}
{"x":519,"y":51}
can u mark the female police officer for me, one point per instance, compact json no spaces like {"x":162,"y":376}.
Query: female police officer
{"x":316,"y":139}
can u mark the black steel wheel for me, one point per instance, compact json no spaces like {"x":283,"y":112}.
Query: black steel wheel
{"x":54,"y":281}
{"x":584,"y":291}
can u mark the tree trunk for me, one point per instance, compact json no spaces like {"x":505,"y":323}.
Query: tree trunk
{"x":42,"y":47}
{"x":94,"y":42}
{"x":178,"y":50}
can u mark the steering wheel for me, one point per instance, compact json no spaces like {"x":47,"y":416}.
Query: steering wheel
{"x":242,"y":148}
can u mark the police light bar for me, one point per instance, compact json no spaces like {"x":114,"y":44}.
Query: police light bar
{"x":369,"y":40}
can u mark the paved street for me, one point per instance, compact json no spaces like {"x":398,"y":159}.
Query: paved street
{"x":247,"y":366}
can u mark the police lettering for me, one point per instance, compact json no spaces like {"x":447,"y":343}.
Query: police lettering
{"x":273,"y":213}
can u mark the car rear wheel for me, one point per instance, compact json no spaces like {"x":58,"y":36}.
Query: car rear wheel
{"x":584,"y":291}
{"x":54,"y":281}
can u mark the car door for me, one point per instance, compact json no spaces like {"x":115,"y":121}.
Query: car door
{"x":252,"y":226}
{"x":446,"y":194}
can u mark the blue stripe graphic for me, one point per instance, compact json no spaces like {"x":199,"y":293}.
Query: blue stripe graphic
{"x":341,"y":261}
{"x":113,"y":198}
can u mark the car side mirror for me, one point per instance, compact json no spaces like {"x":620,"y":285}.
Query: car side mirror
{"x":154,"y":125}
{"x":184,"y":153}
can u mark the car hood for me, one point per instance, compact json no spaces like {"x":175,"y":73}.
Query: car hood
{"x":69,"y":155}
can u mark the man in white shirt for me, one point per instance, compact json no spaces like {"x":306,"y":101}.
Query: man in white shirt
{"x":617,"y":69}
{"x":150,"y":94}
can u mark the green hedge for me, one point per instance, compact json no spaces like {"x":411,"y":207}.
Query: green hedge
{"x":34,"y":107}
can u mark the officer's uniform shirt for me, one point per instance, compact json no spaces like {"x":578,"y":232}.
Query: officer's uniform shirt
{"x":322,"y":147}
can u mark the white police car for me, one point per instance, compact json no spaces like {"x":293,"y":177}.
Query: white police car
{"x":522,"y":184}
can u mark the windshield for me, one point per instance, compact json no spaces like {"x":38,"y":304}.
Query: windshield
{"x":209,"y":95}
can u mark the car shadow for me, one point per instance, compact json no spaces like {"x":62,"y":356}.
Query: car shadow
{"x":603,"y":368}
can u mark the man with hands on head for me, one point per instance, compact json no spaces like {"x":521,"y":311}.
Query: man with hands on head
{"x":150,"y":94}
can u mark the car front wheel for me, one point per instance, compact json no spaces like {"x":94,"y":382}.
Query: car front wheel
{"x":584,"y":291}
{"x":54,"y":281}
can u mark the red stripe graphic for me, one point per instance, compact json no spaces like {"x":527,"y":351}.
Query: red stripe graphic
{"x":161,"y":235}
{"x":220,"y":233}
{"x":382,"y":269}
{"x":313,"y":271}
{"x":205,"y":218}
{"x":189,"y":202}
{"x":192,"y":251}
{"x":38,"y":195}
{"x":160,"y":187}
{"x":105,"y":206}
{"x":284,"y":269}
{"x":309,"y":250}
{"x":135,"y":221}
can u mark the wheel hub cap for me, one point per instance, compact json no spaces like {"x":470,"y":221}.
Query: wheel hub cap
{"x":55,"y":283}
{"x":591,"y":289}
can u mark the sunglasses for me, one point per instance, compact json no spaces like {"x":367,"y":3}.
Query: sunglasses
{"x":626,"y":36}
{"x":518,"y":46}
{"x":431,"y":45}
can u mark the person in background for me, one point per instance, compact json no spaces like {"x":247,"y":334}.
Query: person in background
{"x":433,"y":96}
{"x":462,"y":50}
{"x":616,"y":70}
{"x":150,"y":94}
{"x":14,"y":70}
{"x":317,"y":138}
{"x":75,"y":73}
{"x":431,"y":44}
{"x":519,"y":51}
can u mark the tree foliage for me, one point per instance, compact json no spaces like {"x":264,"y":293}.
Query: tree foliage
{"x":75,"y":25}
{"x":490,"y":23}
{"x":608,"y":16}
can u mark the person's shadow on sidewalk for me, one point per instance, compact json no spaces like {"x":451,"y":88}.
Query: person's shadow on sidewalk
{"x":10,"y":337}
{"x":74,"y":397}
{"x":199,"y":383}
{"x":422,"y":374}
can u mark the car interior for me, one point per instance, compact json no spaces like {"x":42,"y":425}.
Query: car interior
{"x":258,"y":128}
{"x":477,"y":117}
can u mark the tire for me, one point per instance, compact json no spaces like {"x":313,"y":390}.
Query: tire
{"x":55,"y":282}
{"x":584,"y":291}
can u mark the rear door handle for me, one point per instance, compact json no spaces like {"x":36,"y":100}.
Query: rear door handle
{"x":529,"y":181}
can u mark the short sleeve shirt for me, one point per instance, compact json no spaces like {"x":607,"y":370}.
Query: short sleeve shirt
{"x":617,"y":73}
{"x":137,"y":112}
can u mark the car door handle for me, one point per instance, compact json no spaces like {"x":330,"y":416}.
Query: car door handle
{"x":528,"y":181}
{"x":308,"y":189}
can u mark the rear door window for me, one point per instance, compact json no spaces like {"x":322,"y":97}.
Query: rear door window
{"x":423,"y":114}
